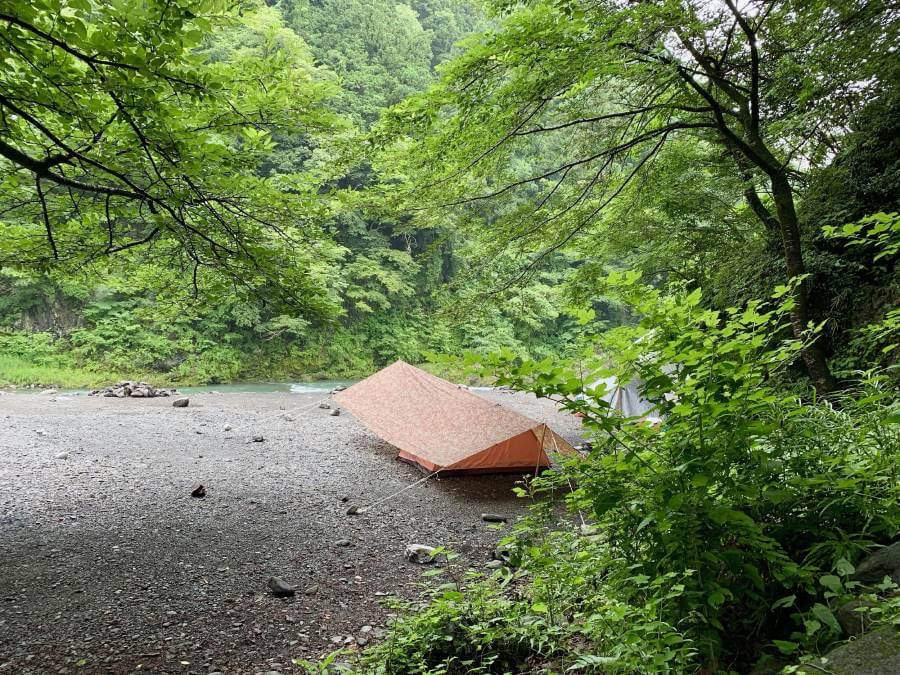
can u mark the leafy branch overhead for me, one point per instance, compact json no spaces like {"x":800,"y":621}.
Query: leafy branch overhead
{"x":137,"y":124}
{"x":598,"y":91}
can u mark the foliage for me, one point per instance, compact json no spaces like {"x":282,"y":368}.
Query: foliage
{"x":382,"y":51}
{"x":732,"y":517}
{"x":122,"y":132}
{"x":596,"y":92}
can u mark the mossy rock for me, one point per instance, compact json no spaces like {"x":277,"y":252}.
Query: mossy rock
{"x":875,"y":653}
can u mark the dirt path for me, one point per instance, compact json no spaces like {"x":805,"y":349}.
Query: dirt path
{"x":108,"y":565}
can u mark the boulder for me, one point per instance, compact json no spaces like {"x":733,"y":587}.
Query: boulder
{"x":181,"y":402}
{"x":420,"y":554}
{"x":885,"y":562}
{"x":875,"y":653}
{"x":853,"y":617}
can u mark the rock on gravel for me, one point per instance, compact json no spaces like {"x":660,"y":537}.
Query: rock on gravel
{"x":130,"y":389}
{"x":95,"y":551}
{"x":279,"y":588}
{"x":421,"y":554}
{"x":181,"y":402}
{"x":493,"y":518}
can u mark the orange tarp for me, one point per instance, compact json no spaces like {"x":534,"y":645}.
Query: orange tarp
{"x":443,"y":426}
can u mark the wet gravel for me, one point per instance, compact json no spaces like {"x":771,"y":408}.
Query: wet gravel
{"x":108,"y":565}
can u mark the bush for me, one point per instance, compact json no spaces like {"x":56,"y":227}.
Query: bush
{"x":710,"y":534}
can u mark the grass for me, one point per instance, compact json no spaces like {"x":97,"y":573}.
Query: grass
{"x":18,"y":372}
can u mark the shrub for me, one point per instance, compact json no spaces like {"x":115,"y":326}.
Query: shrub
{"x":709,"y":534}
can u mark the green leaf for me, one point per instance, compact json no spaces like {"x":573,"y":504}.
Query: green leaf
{"x":785,"y":646}
{"x":824,"y":614}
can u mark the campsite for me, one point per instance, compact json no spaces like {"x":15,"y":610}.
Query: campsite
{"x":449,"y":337}
{"x":105,"y":556}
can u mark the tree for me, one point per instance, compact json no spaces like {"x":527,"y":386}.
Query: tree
{"x":771,"y":83}
{"x":122,"y":129}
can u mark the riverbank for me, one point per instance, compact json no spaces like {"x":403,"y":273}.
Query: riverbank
{"x":107,"y":563}
{"x":21,"y":374}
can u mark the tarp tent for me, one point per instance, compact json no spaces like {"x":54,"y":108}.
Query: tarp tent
{"x":626,"y":400}
{"x":442,"y":426}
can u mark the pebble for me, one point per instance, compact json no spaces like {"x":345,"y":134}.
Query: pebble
{"x":62,"y":455}
{"x":180,"y":403}
{"x":493,"y":518}
{"x":342,"y":542}
{"x":335,"y":412}
{"x":258,"y":439}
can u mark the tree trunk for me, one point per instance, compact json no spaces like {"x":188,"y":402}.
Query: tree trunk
{"x":813,"y":354}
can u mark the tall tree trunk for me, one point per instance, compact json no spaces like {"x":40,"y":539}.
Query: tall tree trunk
{"x":814,"y":353}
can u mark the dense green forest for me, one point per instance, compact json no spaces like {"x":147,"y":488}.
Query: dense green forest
{"x":377,"y":287}
{"x":700,"y":196}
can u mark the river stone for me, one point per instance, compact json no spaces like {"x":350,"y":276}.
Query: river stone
{"x":335,"y":412}
{"x":503,"y":553}
{"x":493,"y":518}
{"x":324,"y":406}
{"x":279,"y":588}
{"x":342,"y":542}
{"x":419,"y":553}
{"x":885,"y":562}
{"x":180,"y":403}
{"x":876,"y":653}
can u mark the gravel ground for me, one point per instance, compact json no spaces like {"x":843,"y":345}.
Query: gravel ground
{"x":108,"y":565}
